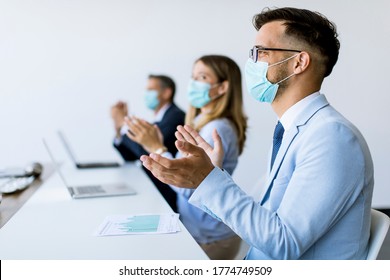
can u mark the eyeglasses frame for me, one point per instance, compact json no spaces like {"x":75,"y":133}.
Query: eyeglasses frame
{"x":256,"y":50}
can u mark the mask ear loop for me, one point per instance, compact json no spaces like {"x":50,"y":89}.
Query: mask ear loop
{"x":288,"y":77}
{"x":219,"y":94}
{"x":214,"y":85}
{"x":284,"y":60}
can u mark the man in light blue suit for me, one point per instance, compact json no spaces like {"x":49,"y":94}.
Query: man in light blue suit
{"x":317,"y":200}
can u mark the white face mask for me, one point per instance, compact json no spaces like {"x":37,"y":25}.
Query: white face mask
{"x":257,"y":83}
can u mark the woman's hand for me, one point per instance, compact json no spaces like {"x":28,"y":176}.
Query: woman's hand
{"x":188,"y":134}
{"x":185,"y":172}
{"x":146,"y":134}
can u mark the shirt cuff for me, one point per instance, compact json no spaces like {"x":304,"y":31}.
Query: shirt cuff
{"x":124,"y":129}
{"x":117,"y":141}
{"x":167,"y":155}
{"x":122,"y":132}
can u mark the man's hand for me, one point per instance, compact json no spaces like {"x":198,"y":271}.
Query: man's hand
{"x":186,"y":172}
{"x":145,"y":134}
{"x":187,"y":133}
{"x":118,"y":112}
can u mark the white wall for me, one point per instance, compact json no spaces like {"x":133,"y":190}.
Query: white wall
{"x":64,"y":62}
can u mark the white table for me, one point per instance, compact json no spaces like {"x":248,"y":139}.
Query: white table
{"x":52,"y":225}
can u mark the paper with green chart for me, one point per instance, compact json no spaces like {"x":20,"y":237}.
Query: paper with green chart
{"x":139,"y":224}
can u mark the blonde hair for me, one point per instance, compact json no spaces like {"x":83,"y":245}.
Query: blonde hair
{"x":230,"y":104}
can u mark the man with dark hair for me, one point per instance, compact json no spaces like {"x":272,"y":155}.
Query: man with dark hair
{"x":317,"y":200}
{"x":165,"y":83}
{"x":159,"y":97}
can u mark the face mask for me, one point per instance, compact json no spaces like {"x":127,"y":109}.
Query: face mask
{"x":151,"y":100}
{"x":198,"y":93}
{"x":257,"y":83}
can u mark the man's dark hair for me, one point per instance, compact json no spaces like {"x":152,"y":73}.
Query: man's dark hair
{"x":310,"y":27}
{"x":165,"y":82}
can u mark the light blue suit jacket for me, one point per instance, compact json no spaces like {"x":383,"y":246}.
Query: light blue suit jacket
{"x":317,"y":200}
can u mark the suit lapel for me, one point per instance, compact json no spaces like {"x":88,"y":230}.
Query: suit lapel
{"x":290,"y":135}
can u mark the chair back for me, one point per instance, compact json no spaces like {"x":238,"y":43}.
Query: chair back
{"x":380,"y":223}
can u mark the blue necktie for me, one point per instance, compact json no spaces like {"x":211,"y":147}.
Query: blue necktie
{"x":278,"y":136}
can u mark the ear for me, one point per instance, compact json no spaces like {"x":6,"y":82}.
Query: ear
{"x":166,"y":94}
{"x":223,"y":88}
{"x":302,"y":62}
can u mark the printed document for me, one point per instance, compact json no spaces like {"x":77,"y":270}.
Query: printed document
{"x":139,"y":224}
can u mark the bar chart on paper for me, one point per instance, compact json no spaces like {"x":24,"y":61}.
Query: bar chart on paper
{"x":139,"y":224}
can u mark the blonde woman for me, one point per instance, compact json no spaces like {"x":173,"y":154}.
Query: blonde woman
{"x":215,"y":95}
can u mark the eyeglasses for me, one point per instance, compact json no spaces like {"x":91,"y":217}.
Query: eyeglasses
{"x":254,"y":52}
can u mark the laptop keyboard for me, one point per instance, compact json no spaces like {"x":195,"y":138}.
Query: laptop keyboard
{"x":89,"y":189}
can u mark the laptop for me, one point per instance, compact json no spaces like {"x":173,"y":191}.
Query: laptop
{"x":83,"y":165}
{"x":89,"y":191}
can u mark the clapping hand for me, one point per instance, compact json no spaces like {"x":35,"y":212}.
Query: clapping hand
{"x":118,"y":112}
{"x":187,"y":133}
{"x":144,"y":133}
{"x":190,"y":170}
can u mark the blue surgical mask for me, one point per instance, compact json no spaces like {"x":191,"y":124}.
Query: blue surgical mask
{"x":257,"y":83}
{"x":151,"y":100}
{"x":198,"y":93}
